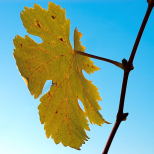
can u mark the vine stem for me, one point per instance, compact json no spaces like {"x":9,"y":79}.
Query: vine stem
{"x":128,"y":66}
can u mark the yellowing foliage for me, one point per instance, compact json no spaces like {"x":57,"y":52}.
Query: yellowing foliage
{"x":55,"y":59}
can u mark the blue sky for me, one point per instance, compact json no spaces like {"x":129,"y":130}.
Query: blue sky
{"x":109,"y":29}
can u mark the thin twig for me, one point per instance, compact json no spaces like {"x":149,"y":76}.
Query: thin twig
{"x":121,"y":116}
{"x":120,"y":65}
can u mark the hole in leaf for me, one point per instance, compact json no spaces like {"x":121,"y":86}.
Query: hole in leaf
{"x":81,"y":105}
{"x":47,"y":86}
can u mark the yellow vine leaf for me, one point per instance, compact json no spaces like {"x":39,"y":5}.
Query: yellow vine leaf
{"x":55,"y":59}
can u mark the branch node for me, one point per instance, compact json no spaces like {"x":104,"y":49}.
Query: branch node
{"x":122,"y":117}
{"x":125,"y":116}
{"x":126,"y":65}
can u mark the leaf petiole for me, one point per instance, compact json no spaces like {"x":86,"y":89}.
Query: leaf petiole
{"x":118,"y":64}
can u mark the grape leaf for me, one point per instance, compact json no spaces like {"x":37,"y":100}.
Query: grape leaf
{"x":55,"y":59}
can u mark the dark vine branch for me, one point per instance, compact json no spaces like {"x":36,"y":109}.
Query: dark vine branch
{"x":127,"y":66}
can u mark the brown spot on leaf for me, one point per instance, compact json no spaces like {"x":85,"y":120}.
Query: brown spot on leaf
{"x":21,"y":45}
{"x":56,"y":112}
{"x":61,"y":39}
{"x":38,"y":24}
{"x":54,"y":83}
{"x":53,"y":17}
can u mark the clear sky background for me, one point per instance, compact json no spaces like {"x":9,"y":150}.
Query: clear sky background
{"x":109,"y":29}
